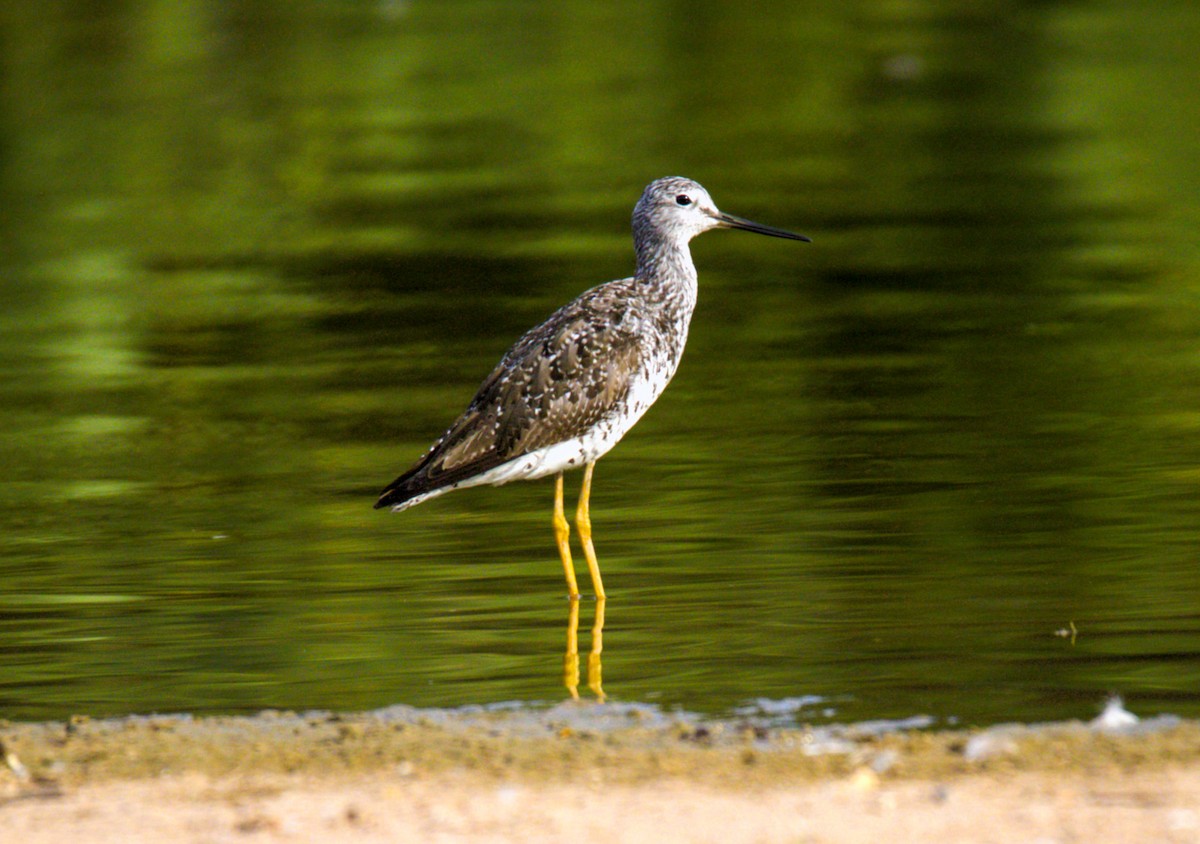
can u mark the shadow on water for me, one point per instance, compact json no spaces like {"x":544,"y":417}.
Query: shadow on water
{"x":257,"y":260}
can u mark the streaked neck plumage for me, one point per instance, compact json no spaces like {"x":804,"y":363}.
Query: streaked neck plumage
{"x":664,"y":265}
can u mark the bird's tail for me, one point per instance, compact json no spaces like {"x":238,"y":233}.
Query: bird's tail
{"x":430,"y":478}
{"x":413,"y":487}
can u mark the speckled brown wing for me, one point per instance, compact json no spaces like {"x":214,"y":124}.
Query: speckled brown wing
{"x":553,"y":385}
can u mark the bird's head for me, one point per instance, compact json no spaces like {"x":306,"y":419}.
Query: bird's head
{"x":675,"y":208}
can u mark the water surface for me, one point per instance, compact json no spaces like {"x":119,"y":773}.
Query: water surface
{"x":258,"y":257}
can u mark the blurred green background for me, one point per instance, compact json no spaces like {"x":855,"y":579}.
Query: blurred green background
{"x":257,"y":255}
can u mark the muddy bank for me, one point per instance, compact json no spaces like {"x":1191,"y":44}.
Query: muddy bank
{"x":405,"y":774}
{"x":615,"y":743}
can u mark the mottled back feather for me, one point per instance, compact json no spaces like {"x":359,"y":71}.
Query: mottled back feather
{"x":554,"y":384}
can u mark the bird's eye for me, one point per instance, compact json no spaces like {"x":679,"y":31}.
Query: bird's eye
{"x":683,"y":199}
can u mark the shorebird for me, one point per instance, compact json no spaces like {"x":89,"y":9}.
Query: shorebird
{"x":570,"y":388}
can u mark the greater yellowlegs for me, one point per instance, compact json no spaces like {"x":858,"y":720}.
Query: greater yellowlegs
{"x":573,"y":386}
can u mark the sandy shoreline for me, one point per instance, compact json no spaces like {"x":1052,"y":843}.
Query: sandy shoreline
{"x":627,"y":775}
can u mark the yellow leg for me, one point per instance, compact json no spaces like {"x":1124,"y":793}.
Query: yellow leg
{"x":571,"y":657}
{"x":562,"y":532}
{"x":595,"y":681}
{"x":583,"y":522}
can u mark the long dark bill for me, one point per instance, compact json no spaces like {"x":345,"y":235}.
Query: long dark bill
{"x":729,"y":221}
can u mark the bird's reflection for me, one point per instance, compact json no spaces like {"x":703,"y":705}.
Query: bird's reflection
{"x":571,"y":657}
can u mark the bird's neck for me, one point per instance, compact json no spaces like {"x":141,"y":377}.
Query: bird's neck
{"x":665,"y":266}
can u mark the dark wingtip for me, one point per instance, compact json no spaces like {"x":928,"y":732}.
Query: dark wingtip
{"x":394,"y":493}
{"x":390,"y":497}
{"x":412,"y":484}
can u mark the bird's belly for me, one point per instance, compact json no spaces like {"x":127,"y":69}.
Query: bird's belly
{"x":579,"y":451}
{"x":550,"y":460}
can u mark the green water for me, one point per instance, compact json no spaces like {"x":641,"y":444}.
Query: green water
{"x":258,"y":255}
